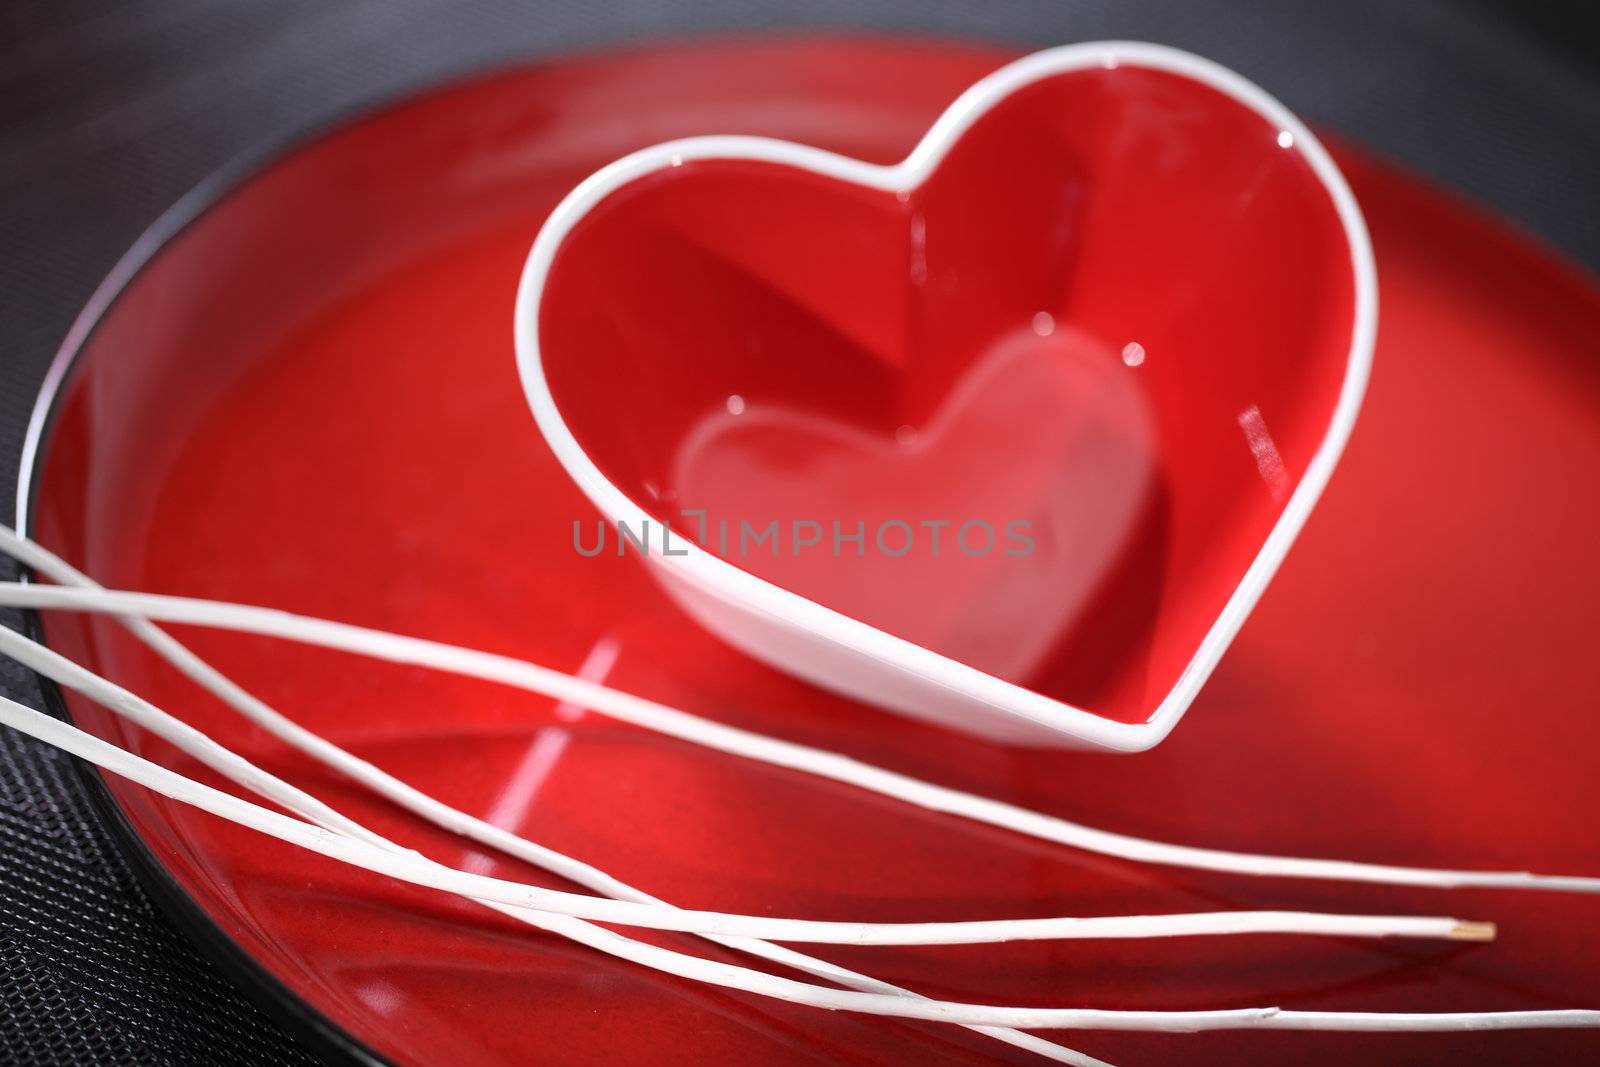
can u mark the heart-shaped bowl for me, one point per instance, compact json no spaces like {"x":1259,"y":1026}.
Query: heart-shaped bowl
{"x":1010,"y":434}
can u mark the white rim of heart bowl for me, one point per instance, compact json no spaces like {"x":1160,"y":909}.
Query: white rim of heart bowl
{"x":721,"y":578}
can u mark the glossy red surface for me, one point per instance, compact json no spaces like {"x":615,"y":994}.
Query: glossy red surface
{"x":308,"y":400}
{"x":738,"y":343}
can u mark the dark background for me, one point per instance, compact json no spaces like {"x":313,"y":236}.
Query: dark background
{"x":112,"y":109}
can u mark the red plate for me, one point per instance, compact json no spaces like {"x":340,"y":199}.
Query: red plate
{"x":306,"y":398}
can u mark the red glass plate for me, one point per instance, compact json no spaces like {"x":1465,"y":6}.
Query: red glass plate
{"x":306,"y":397}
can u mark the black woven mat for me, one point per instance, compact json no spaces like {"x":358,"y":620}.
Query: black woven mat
{"x":111,"y":109}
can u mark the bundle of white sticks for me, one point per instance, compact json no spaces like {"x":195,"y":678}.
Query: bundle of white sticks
{"x":316,"y":826}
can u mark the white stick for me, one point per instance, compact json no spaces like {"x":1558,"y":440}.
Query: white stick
{"x":665,"y":720}
{"x":422,"y":872}
{"x":451,"y":819}
{"x":242,"y":772}
{"x":665,"y":917}
{"x":616,"y":945}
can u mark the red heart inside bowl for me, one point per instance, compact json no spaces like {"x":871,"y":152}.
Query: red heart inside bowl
{"x":1119,"y":310}
{"x":985,"y":561}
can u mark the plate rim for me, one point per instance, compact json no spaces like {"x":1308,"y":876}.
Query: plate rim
{"x":309,"y":1027}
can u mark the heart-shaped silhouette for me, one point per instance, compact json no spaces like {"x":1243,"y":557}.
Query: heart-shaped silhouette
{"x":969,"y":536}
{"x":1117,"y":300}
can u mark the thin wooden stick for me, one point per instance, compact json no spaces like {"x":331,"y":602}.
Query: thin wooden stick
{"x":414,"y":869}
{"x":672,"y":722}
{"x":659,"y":916}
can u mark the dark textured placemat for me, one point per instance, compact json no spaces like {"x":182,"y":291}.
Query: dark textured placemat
{"x":111,"y":110}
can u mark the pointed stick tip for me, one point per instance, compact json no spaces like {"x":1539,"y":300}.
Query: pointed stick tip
{"x":1473,"y":931}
